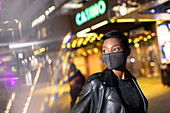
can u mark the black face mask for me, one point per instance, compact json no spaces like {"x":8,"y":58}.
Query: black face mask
{"x":114,"y":60}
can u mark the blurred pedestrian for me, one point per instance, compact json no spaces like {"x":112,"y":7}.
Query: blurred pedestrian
{"x":115,"y":90}
{"x":76,"y":81}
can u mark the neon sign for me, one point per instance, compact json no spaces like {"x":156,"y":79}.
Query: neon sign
{"x":91,"y":12}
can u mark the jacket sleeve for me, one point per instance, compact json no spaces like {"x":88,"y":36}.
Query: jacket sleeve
{"x":83,"y":105}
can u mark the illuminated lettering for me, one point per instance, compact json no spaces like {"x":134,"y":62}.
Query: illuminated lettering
{"x":102,"y":7}
{"x":83,"y":17}
{"x":91,"y":12}
{"x":78,"y":19}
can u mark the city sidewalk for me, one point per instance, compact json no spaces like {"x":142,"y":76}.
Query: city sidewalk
{"x":157,"y":94}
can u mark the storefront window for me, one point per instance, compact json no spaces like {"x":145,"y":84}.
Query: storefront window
{"x":143,"y":60}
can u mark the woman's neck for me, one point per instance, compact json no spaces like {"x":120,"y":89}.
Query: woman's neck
{"x":119,"y":73}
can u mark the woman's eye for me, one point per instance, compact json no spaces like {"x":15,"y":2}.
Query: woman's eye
{"x":104,"y":51}
{"x":116,"y":49}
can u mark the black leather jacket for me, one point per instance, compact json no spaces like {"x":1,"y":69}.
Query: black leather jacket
{"x":100,"y":95}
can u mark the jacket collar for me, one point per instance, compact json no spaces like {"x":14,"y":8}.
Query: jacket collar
{"x":110,"y":79}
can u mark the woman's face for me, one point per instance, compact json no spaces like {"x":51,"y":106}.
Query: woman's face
{"x":112,"y":45}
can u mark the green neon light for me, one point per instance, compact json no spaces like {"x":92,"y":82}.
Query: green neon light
{"x":91,"y":12}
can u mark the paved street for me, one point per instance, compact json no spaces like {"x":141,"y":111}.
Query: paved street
{"x":157,"y":94}
{"x":56,"y":99}
{"x":41,"y":97}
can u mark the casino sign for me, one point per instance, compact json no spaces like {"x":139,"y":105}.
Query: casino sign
{"x":91,"y":12}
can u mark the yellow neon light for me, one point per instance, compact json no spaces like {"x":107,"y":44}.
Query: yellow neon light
{"x":149,"y":36}
{"x":136,"y":40}
{"x":68,"y":45}
{"x":88,"y":38}
{"x":112,"y":21}
{"x":145,"y":39}
{"x":93,"y":38}
{"x":100,"y":36}
{"x":91,"y":41}
{"x":159,"y":22}
{"x":84,"y":53}
{"x":72,"y":55}
{"x":146,"y":20}
{"x":95,"y":50}
{"x":74,"y":43}
{"x":140,"y":37}
{"x":133,"y":20}
{"x":80,"y":42}
{"x":36,"y":52}
{"x":42,"y":50}
{"x":125,"y":33}
{"x":63,"y":46}
{"x":85,"y":42}
{"x":125,"y":20}
{"x":89,"y":52}
{"x":83,"y":32}
{"x":99,"y":25}
{"x":129,"y":40}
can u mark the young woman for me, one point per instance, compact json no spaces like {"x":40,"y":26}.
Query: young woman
{"x":114,"y":90}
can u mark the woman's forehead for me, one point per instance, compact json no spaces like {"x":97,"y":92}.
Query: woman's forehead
{"x":112,"y":41}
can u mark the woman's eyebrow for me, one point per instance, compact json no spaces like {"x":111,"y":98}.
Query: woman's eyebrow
{"x":116,"y":45}
{"x":113,"y":45}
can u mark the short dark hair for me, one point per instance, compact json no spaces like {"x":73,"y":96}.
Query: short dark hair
{"x":118,"y":35}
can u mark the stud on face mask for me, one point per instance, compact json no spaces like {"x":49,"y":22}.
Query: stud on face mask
{"x":114,"y":60}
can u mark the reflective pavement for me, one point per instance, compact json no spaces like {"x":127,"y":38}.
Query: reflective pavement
{"x":37,"y":95}
{"x":42,"y":96}
{"x":157,"y":94}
